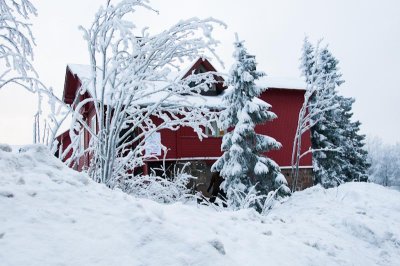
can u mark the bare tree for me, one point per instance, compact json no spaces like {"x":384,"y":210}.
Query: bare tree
{"x":132,"y":91}
{"x":16,"y":45}
{"x":16,"y":57}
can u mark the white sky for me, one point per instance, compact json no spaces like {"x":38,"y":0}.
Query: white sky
{"x":363,"y":35}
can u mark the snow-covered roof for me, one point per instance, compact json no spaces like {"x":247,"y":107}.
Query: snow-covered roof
{"x":83,"y":72}
{"x":281,"y":83}
{"x":65,"y":125}
{"x":189,"y":100}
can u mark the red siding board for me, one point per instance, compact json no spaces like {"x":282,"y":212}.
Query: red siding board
{"x":168,"y":139}
{"x":191,"y":146}
{"x":286,"y":105}
{"x":184,"y":143}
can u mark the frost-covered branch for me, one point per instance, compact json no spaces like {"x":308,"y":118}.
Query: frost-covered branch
{"x":322,"y":149}
{"x":132,"y":89}
{"x":16,"y":45}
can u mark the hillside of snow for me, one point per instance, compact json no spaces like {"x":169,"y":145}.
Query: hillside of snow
{"x":51,"y":215}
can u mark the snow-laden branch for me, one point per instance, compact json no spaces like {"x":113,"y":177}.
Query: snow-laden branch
{"x":16,"y":45}
{"x":322,"y":149}
{"x":132,"y":90}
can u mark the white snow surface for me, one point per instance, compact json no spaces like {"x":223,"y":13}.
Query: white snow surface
{"x":52,"y":215}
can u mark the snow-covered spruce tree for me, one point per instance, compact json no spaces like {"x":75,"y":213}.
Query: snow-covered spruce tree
{"x":316,"y":102}
{"x":354,"y":150}
{"x":326,"y":135}
{"x":337,"y":147}
{"x":132,"y":91}
{"x":242,"y":164}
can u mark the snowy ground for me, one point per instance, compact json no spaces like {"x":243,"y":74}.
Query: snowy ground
{"x":51,"y":215}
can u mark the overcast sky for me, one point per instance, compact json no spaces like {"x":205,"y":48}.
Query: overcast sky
{"x":363,"y":35}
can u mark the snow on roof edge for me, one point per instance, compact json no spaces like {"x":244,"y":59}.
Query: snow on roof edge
{"x":289,"y":83}
{"x":83,"y":72}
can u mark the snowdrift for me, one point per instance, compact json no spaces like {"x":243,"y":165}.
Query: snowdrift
{"x":52,"y":215}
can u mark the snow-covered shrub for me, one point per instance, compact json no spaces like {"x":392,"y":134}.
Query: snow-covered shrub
{"x":245,"y":198}
{"x":165,"y":189}
{"x":272,"y":198}
{"x":253,"y":199}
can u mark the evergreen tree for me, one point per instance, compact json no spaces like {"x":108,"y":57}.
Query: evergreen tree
{"x":326,"y":135}
{"x":308,"y":62}
{"x":353,"y":145}
{"x":242,"y":165}
{"x":338,"y":148}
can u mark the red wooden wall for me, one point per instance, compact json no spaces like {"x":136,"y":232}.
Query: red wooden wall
{"x":286,"y":104}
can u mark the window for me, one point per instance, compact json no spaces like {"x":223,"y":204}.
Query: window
{"x":217,"y":131}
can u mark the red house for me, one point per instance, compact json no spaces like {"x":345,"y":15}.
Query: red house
{"x":285,"y":96}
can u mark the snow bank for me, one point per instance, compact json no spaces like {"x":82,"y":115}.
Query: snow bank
{"x":51,"y":215}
